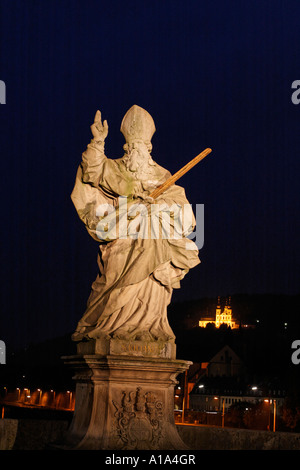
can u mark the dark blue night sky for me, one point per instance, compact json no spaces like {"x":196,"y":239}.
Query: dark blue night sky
{"x":212,"y":74}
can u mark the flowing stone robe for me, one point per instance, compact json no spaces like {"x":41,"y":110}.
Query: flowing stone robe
{"x":133,"y":288}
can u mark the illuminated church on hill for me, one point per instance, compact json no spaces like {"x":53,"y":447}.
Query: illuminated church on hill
{"x":224,"y":317}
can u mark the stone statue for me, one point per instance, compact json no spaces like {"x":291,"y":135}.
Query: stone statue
{"x":137,"y":274}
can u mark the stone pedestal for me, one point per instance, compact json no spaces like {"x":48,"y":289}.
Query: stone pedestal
{"x":125,"y":400}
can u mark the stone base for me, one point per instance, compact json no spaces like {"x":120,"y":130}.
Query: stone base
{"x":117,"y":347}
{"x":124,"y":403}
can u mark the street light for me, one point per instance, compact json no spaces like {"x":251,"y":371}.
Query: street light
{"x":274,"y":416}
{"x":70,"y":405}
{"x":223,"y":408}
{"x":53,"y":398}
{"x":274,"y":413}
{"x":184,"y":401}
{"x":223,"y":412}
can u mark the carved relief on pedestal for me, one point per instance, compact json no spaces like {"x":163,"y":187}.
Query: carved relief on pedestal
{"x":138,"y":420}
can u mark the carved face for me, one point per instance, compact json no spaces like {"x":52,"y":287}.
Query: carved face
{"x":137,"y":157}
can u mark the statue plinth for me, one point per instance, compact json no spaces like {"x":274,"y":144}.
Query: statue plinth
{"x":118,"y":347}
{"x":124,"y":402}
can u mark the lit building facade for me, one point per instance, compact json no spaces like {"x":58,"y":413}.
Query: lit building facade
{"x":222,"y":318}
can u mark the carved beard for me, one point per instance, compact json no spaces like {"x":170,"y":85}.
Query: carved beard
{"x":139,"y":163}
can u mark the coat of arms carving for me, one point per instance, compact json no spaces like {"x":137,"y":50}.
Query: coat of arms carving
{"x":138,"y":420}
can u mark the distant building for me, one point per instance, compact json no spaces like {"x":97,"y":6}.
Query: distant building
{"x":221,"y":318}
{"x":226,"y":363}
{"x":224,"y":383}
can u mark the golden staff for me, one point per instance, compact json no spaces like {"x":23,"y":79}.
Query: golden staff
{"x":160,"y":189}
{"x":170,"y":181}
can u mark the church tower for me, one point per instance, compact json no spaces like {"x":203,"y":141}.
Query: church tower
{"x":221,"y":317}
{"x":218,"y":313}
{"x":226,"y":315}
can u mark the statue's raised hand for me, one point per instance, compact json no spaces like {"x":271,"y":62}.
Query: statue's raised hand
{"x":98,"y":129}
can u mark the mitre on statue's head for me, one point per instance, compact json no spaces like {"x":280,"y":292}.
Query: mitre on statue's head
{"x":137,"y":124}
